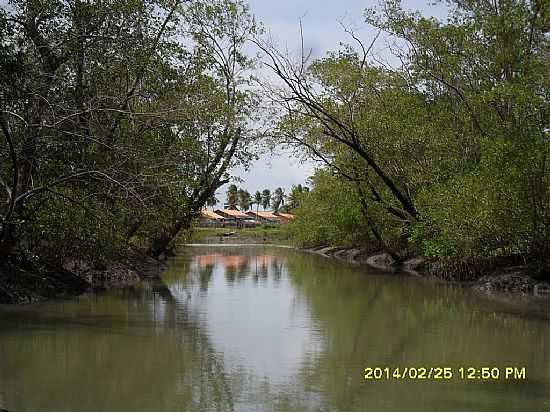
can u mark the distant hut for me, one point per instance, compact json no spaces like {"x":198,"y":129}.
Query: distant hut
{"x":284,"y":217}
{"x":235,"y":217}
{"x":265,"y":217}
{"x":211,"y":219}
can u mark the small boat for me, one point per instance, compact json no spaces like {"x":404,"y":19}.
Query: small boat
{"x":229,"y":234}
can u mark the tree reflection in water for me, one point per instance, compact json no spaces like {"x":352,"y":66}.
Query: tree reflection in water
{"x":236,"y":267}
{"x":258,"y":329}
{"x":138,"y":349}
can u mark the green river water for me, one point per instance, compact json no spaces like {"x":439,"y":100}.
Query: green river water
{"x":255,"y":328}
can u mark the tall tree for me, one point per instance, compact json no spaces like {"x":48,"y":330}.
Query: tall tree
{"x":220,"y":29}
{"x":244,"y":199}
{"x":277,"y":199}
{"x":129,"y":115}
{"x":266,"y":198}
{"x":79,"y":71}
{"x":449,"y":151}
{"x":295,"y":196}
{"x":257,"y":200}
{"x":232,"y":197}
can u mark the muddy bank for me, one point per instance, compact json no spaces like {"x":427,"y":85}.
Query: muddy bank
{"x":357,"y":256}
{"x":516,"y":279}
{"x":24,"y":281}
{"x":28,"y":282}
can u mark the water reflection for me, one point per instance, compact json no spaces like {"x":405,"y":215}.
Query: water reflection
{"x":250,"y":314}
{"x":263,"y":329}
{"x":135,"y":350}
{"x":236,"y":267}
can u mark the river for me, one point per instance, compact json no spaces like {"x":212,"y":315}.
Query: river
{"x":256,"y":328}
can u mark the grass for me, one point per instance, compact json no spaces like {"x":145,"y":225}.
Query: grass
{"x":264,"y":233}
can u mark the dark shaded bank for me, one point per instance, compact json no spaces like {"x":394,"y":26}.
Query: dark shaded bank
{"x":503,"y":275}
{"x":25,"y":281}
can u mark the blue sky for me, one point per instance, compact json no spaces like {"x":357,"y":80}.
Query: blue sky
{"x":322,"y":32}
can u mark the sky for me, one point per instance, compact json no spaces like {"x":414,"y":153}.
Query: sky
{"x":322,"y":32}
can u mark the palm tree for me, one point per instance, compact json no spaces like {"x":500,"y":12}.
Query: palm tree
{"x":248,"y":200}
{"x":266,"y":198}
{"x":244,"y":199}
{"x":296,"y":194}
{"x":257,"y":201}
{"x":278,"y":199}
{"x":232,"y":197}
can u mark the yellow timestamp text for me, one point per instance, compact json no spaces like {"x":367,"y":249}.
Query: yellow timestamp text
{"x":446,"y":373}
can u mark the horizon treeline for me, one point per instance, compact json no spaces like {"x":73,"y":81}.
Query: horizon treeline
{"x":277,"y":200}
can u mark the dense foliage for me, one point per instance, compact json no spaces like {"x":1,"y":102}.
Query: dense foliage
{"x":446,"y":153}
{"x":329,"y":215}
{"x":119,"y":120}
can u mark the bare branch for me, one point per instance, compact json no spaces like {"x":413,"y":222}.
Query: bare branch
{"x":15,"y":168}
{"x":70,"y":177}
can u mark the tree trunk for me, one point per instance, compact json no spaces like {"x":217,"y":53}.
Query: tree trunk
{"x":7,"y":239}
{"x":133,"y":227}
{"x":372,"y":225}
{"x":23,"y":168}
{"x":161,"y":242}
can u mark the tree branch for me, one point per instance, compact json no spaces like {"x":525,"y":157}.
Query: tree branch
{"x":15,"y":168}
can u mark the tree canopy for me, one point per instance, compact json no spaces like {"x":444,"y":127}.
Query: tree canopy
{"x":447,"y":151}
{"x":120,"y":119}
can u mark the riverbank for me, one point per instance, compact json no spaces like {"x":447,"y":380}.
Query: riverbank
{"x":499,"y":277}
{"x":25,"y":281}
{"x":263,"y":234}
{"x":28,"y":282}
